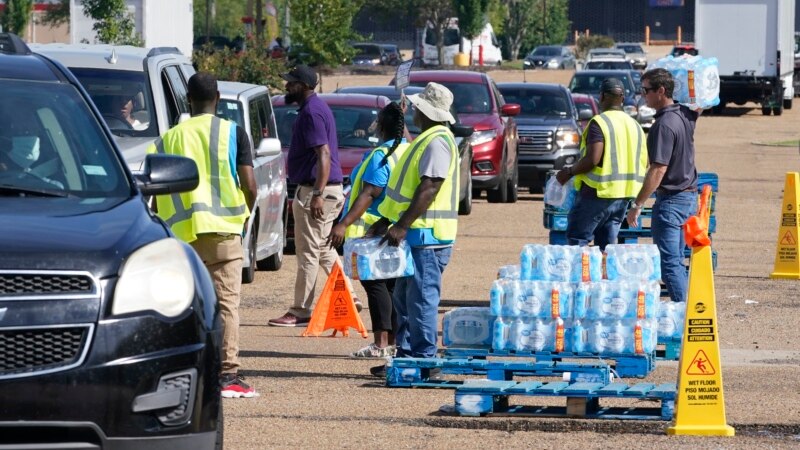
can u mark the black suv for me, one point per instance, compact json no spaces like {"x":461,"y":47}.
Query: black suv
{"x":549,"y":135}
{"x":109,"y":326}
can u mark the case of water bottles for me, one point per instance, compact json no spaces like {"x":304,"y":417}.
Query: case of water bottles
{"x":606,"y":299}
{"x":561,"y":263}
{"x":543,"y":299}
{"x":367,"y":259}
{"x":671,"y":319}
{"x":509,"y":272}
{"x":696,"y":79}
{"x":633,"y":262}
{"x":558,"y":196}
{"x":468,"y":326}
{"x":528,"y":334}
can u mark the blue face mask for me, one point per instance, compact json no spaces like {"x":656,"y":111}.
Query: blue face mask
{"x":24,"y":150}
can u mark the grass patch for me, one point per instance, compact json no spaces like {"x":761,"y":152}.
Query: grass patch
{"x":790,"y":143}
{"x":516,"y":64}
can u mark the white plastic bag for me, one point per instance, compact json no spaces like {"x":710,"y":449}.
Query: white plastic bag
{"x":558,"y":195}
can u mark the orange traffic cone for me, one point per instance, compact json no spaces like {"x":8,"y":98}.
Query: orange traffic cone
{"x":335,"y":308}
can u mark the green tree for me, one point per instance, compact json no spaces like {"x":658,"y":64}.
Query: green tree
{"x":57,"y":14}
{"x":224,"y":17}
{"x":323,"y":30}
{"x":112,"y":22}
{"x":519,"y":23}
{"x":550,"y":23}
{"x":471,"y":16}
{"x":16,"y":15}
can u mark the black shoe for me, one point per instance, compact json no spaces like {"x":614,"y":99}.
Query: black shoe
{"x":435,"y":374}
{"x":378,"y":371}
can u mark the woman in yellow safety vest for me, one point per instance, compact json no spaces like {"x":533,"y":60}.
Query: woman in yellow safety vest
{"x":368,"y":180}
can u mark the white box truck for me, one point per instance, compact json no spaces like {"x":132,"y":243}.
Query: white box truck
{"x":754,"y":43}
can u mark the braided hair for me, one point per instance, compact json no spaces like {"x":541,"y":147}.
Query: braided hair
{"x":391,"y":125}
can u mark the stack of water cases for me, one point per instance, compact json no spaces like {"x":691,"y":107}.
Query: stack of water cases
{"x":572,"y":299}
{"x":696,"y":79}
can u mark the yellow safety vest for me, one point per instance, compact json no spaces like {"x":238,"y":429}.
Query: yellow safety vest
{"x":442,"y":214}
{"x":359,"y":228}
{"x":622,"y":171}
{"x":217,"y":205}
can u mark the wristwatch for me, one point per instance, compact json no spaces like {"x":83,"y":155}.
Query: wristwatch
{"x":637,"y":206}
{"x":316,"y":193}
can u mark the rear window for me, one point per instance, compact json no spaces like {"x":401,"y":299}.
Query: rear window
{"x":352,"y":125}
{"x":608,"y":65}
{"x":630,"y":48}
{"x":537,"y":103}
{"x":546,"y":51}
{"x":468,"y":98}
{"x":450,"y":37}
{"x":590,"y":84}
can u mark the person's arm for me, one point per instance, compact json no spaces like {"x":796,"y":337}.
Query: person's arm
{"x":592,"y":159}
{"x":247,"y":182}
{"x":655,"y":173}
{"x":423,"y":197}
{"x":368,"y":194}
{"x":323,"y":172}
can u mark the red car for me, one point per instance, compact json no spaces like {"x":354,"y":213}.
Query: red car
{"x":587,"y":108}
{"x":494,"y":142}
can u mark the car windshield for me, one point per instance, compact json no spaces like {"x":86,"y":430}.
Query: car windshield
{"x":122,"y":98}
{"x":582,"y":83}
{"x":368,"y":50}
{"x":51,"y":143}
{"x":468,"y":98}
{"x":630,"y":48}
{"x":608,"y":65}
{"x":678,"y":51}
{"x":537,"y":103}
{"x":546,"y":51}
{"x":352,"y":124}
{"x":231,"y":110}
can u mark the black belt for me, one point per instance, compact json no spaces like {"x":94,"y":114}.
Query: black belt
{"x":661,"y":191}
{"x":330,"y":183}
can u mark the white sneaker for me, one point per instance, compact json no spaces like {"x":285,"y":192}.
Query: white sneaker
{"x":372,"y":351}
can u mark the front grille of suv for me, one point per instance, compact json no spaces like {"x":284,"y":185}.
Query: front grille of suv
{"x":537,"y":142}
{"x":26,"y":284}
{"x":35,"y":350}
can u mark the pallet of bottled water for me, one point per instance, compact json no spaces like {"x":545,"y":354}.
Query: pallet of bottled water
{"x":368,"y":259}
{"x":696,"y":79}
{"x":570,"y":263}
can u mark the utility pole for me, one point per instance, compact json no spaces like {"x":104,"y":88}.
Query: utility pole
{"x":544,"y":20}
{"x":208,"y":17}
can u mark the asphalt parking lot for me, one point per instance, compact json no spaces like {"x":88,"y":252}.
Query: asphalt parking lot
{"x":313,"y":396}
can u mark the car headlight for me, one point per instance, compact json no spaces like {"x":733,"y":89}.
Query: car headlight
{"x":482,"y":137}
{"x":526,"y":62}
{"x":156,"y":277}
{"x":376,"y":61}
{"x":630,"y":110}
{"x":568,"y":137}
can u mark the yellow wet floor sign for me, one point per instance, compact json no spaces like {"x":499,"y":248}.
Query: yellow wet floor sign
{"x":699,"y":402}
{"x":787,"y":263}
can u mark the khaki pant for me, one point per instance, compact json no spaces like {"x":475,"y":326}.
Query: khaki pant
{"x":311,"y":244}
{"x":223,"y":257}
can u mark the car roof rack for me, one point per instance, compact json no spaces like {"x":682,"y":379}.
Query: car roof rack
{"x":11,"y":44}
{"x":164,"y":51}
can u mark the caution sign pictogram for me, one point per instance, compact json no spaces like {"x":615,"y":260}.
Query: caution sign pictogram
{"x":700,"y":365}
{"x":788,"y":239}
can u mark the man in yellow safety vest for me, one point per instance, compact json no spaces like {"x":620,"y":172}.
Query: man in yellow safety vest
{"x":212,"y":217}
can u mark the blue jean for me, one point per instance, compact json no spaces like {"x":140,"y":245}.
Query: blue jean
{"x":416,"y":302}
{"x":595,"y":219}
{"x":670,"y":212}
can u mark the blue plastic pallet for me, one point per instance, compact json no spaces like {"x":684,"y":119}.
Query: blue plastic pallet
{"x":625,"y":366}
{"x":483,"y":397}
{"x":671,"y":349}
{"x":416,"y":372}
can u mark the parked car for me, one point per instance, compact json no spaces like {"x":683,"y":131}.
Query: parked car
{"x":549,"y":135}
{"x":587,"y":108}
{"x":393,"y":55}
{"x":494,"y":142}
{"x":153,"y":80}
{"x":217,"y":43}
{"x":608,"y":64}
{"x":604,"y":53}
{"x":110,"y":326}
{"x":250,"y":106}
{"x":634,"y":53}
{"x":589,"y":81}
{"x":684,"y":49}
{"x":550,"y":57}
{"x":369,"y":55}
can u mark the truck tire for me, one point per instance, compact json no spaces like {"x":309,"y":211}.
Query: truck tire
{"x":766,"y":110}
{"x":513,"y":187}
{"x":787,"y":103}
{"x":499,"y":194}
{"x":778,"y":110}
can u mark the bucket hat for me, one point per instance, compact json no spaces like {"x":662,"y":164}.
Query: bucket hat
{"x":434,"y":102}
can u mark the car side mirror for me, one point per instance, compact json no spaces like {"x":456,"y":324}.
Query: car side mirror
{"x":585,"y":114}
{"x":461,"y":130}
{"x":510,"y":109}
{"x":167,"y":174}
{"x":269,"y":147}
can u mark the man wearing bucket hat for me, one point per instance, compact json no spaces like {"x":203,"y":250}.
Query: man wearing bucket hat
{"x":610,"y":172}
{"x":421,"y":207}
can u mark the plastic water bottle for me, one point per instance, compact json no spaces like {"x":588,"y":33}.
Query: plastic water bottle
{"x":526,"y":263}
{"x":500,"y":334}
{"x":576,"y":337}
{"x":587,"y":377}
{"x":616,"y":338}
{"x":497,"y":297}
{"x":580,"y":300}
{"x":598,"y":337}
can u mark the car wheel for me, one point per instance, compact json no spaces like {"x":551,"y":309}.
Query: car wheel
{"x":272,"y":262}
{"x":465,"y":205}
{"x":499,"y":194}
{"x":777,"y":110}
{"x":766,"y":110}
{"x":220,"y":428}
{"x":787,"y":103}
{"x":513,"y":187}
{"x":249,"y":272}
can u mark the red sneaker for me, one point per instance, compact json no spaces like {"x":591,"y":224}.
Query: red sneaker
{"x":289,"y":320}
{"x":233,"y":386}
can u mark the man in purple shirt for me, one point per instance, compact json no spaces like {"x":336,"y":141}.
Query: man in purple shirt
{"x":313,"y":164}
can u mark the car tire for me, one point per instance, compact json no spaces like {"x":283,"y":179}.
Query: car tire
{"x":777,"y":110}
{"x":513,"y":187}
{"x":499,"y":194}
{"x":787,"y":103}
{"x":465,"y":205}
{"x":272,"y":262}
{"x":766,"y":110}
{"x":218,"y":445}
{"x":249,"y":272}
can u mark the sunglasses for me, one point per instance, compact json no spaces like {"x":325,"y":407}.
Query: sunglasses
{"x":645,"y":90}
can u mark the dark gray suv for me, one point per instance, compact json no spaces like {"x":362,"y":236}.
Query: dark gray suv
{"x":549,"y":136}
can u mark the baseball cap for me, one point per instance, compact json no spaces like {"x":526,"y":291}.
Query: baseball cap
{"x":303,"y":74}
{"x":612,"y":86}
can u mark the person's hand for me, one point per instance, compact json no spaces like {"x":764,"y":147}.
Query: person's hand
{"x":394,"y":235}
{"x":316,"y":206}
{"x":633,"y":217}
{"x":563,"y":176}
{"x":336,"y":238}
{"x":359,"y":133}
{"x":378,"y":228}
